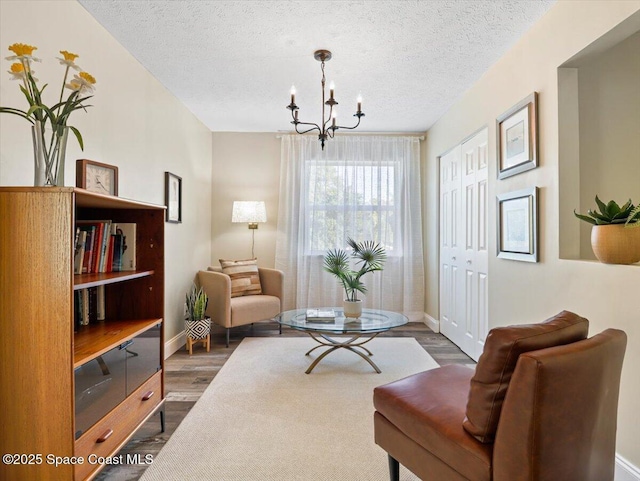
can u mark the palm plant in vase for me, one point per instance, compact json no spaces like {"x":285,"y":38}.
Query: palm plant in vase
{"x":370,"y":257}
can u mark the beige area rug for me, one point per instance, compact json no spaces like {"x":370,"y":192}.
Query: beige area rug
{"x":263,"y":419}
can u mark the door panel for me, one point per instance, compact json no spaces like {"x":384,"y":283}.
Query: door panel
{"x":463,"y":244}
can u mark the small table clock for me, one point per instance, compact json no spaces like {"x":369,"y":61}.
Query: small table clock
{"x":97,"y":177}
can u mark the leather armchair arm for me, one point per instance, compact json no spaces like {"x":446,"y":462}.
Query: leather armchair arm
{"x":272,"y":282}
{"x":218,"y":287}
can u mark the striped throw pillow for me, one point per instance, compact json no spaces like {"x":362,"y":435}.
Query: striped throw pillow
{"x":245,"y":279}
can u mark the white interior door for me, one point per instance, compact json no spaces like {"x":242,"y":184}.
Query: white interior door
{"x":451,"y":281}
{"x":463,"y":244}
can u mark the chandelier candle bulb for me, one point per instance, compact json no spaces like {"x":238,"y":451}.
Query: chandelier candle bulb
{"x":332,"y":87}
{"x":293,"y":94}
{"x":359,"y":100}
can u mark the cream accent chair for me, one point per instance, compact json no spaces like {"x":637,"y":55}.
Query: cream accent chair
{"x":228,"y":311}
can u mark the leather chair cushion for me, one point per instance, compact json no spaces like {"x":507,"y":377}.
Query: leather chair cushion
{"x":498,"y":361}
{"x":428,"y":408}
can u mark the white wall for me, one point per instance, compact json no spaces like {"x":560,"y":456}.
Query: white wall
{"x":246,"y":166}
{"x":522,"y":292}
{"x":134,"y":123}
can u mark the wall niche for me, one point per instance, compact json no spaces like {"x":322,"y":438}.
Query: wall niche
{"x":599,"y":131}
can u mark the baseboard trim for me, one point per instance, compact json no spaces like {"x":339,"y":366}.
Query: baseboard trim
{"x":172,"y":345}
{"x":625,"y":471}
{"x":431,"y":323}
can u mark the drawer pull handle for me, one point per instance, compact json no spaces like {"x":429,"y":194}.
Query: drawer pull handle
{"x":148,"y":396}
{"x":107,"y":434}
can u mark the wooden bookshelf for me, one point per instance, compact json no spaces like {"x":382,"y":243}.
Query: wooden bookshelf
{"x":39,"y":352}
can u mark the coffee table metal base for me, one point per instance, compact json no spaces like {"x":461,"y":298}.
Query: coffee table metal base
{"x":353,"y":344}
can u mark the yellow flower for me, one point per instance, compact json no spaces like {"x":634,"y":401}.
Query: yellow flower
{"x":17,"y":71}
{"x":88,"y":78}
{"x":81,"y":81}
{"x":69,"y":59}
{"x":22,"y":51}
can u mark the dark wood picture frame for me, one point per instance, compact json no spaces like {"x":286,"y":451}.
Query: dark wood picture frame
{"x":173,"y":197}
{"x":81,"y":175}
{"x":522,"y":121}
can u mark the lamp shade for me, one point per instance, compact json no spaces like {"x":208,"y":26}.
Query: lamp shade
{"x":249,"y":211}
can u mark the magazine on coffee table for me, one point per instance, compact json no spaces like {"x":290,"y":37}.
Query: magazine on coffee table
{"x":320,"y":315}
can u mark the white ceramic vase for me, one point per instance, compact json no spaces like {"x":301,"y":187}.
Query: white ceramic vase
{"x":352,"y":309}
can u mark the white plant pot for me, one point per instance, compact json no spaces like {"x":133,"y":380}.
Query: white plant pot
{"x":352,"y":309}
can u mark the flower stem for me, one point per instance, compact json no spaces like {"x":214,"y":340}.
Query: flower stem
{"x":64,"y":81}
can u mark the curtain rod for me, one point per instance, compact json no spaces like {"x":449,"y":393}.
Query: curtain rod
{"x":397,"y":134}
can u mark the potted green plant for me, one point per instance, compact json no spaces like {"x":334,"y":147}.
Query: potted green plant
{"x":611,"y":239}
{"x":369,"y":255}
{"x":197,"y":324}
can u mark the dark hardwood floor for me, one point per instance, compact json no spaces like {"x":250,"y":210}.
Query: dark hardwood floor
{"x":186,"y":378}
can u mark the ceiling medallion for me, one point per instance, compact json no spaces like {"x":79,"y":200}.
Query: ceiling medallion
{"x":326,"y":130}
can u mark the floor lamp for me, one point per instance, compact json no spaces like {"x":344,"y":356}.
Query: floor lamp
{"x":251,"y":212}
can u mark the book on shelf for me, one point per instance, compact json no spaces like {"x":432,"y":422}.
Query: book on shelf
{"x":88,"y":247}
{"x":320,"y":315}
{"x":89,"y":306}
{"x":81,"y":239}
{"x":128,"y":256}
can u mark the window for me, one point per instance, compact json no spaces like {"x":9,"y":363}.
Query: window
{"x":345,"y":200}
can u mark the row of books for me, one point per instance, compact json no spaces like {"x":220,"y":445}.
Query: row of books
{"x":104,"y":246}
{"x":89,"y":306}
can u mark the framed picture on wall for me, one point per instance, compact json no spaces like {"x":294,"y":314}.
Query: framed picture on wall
{"x":517,"y":221}
{"x":173,"y":197}
{"x":517,"y":138}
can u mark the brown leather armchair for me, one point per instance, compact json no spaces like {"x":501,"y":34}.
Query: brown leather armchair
{"x":228,"y":311}
{"x":540,"y":406}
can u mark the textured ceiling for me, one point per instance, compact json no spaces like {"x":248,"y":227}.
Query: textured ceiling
{"x":232,"y":63}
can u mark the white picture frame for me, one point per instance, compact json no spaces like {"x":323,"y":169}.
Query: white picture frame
{"x":517,"y":224}
{"x":517,"y":138}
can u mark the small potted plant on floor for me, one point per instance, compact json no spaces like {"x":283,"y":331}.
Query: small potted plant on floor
{"x":612,"y":239}
{"x":197,"y":324}
{"x":369,"y":255}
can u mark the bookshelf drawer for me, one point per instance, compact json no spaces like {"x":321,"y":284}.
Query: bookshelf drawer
{"x":108,"y":434}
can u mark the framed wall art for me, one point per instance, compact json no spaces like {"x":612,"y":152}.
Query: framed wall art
{"x":517,"y":138}
{"x":517,"y":221}
{"x":173,"y":197}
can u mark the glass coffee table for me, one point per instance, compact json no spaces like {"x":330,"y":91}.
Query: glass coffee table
{"x":360,"y":331}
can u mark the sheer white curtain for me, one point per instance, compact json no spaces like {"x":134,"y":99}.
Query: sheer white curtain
{"x":364,"y":187}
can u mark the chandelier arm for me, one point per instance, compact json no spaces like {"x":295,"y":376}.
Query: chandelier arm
{"x":315,"y":127}
{"x":349,"y":128}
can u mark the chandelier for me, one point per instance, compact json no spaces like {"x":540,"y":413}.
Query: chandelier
{"x":325,"y":130}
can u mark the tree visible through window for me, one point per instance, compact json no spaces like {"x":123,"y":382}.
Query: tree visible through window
{"x":350,"y":199}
